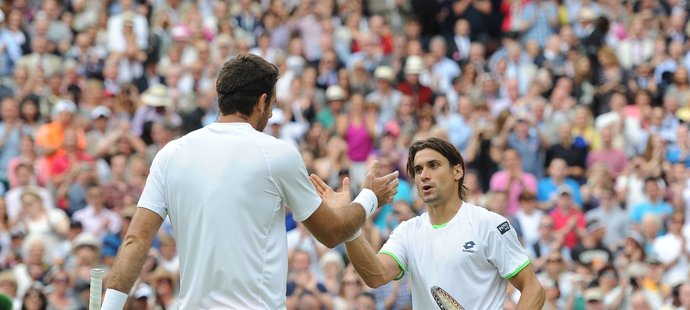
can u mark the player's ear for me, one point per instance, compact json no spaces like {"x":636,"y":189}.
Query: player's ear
{"x":260,"y":104}
{"x":458,"y":172}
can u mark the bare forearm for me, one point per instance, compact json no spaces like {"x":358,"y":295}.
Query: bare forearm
{"x":366,"y":262}
{"x":532,"y":297}
{"x":128,"y":264}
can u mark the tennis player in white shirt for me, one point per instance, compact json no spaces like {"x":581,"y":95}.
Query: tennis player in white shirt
{"x":224,"y":187}
{"x":466,"y":250}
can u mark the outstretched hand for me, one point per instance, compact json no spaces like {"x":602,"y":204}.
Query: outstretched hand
{"x":385,"y":187}
{"x":330,"y":196}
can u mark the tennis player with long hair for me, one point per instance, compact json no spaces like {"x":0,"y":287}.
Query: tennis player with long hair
{"x":456,"y":252}
{"x":224,"y":187}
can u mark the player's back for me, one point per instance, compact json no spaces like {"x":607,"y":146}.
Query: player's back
{"x":226,"y":211}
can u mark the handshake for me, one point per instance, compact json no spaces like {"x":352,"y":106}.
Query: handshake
{"x":376,"y":191}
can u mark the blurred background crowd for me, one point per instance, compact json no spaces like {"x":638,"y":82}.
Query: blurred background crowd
{"x":572,"y":117}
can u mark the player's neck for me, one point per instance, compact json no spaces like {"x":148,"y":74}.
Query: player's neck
{"x":443,"y":212}
{"x":237,"y":118}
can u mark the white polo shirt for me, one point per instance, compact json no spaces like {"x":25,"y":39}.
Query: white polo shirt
{"x":471,"y":257}
{"x":223,"y":187}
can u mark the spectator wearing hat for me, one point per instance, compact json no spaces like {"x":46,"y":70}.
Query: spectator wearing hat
{"x":100,"y":118}
{"x":591,"y":251}
{"x":85,"y":255}
{"x":411,"y":86}
{"x":164,"y":285}
{"x":157,"y":105}
{"x":65,"y":165}
{"x":569,"y":221}
{"x":336,"y":97}
{"x":385,"y":96}
{"x":520,"y":133}
{"x":594,"y":299}
{"x":50,"y":137}
{"x":140,"y":298}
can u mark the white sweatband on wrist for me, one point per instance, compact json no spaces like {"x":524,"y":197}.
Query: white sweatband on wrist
{"x":355,"y":235}
{"x":114,"y":300}
{"x":367,"y":199}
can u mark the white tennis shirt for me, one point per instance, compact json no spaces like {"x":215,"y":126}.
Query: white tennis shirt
{"x":470,"y":257}
{"x":223,"y":187}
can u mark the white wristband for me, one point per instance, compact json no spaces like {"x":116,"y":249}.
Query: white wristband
{"x":114,"y":300}
{"x":355,"y":235}
{"x":367,"y":199}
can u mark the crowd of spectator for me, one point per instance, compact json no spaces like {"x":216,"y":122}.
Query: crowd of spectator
{"x":572,"y":117}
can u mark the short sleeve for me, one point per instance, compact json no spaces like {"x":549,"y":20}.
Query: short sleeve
{"x":503,"y":249}
{"x":395,"y":247}
{"x":153,"y":196}
{"x":291,"y":179}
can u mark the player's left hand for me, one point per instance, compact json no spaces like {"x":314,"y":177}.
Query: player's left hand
{"x":331,"y":197}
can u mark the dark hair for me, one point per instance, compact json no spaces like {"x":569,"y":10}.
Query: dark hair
{"x":241,"y":82}
{"x":447,"y":150}
{"x":27,"y":100}
{"x":368,"y":295}
{"x":41,"y":296}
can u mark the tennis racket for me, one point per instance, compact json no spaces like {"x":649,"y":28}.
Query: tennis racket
{"x":444,"y":300}
{"x":96,"y":289}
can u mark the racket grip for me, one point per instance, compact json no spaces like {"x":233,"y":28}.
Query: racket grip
{"x":96,"y":288}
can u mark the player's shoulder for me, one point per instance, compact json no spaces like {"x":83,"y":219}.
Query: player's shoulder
{"x":414,"y":224}
{"x":486,"y":219}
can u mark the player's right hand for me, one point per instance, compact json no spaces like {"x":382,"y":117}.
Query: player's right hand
{"x":385,"y":187}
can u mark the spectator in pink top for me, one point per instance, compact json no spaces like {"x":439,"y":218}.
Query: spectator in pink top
{"x":614,"y":158}
{"x":513,"y":180}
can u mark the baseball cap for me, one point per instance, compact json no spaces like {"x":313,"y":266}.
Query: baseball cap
{"x":594,"y":224}
{"x":593,"y":294}
{"x":100,"y":111}
{"x":143,"y":291}
{"x":64,"y":105}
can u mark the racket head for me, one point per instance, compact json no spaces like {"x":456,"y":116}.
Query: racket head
{"x":444,"y":300}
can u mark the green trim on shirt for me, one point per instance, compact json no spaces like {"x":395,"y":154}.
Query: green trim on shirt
{"x":514,"y":273}
{"x":439,"y":226}
{"x":400,"y":264}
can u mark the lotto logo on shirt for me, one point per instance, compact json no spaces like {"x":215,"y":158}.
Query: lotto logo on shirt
{"x":469,"y":247}
{"x":504,"y":227}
